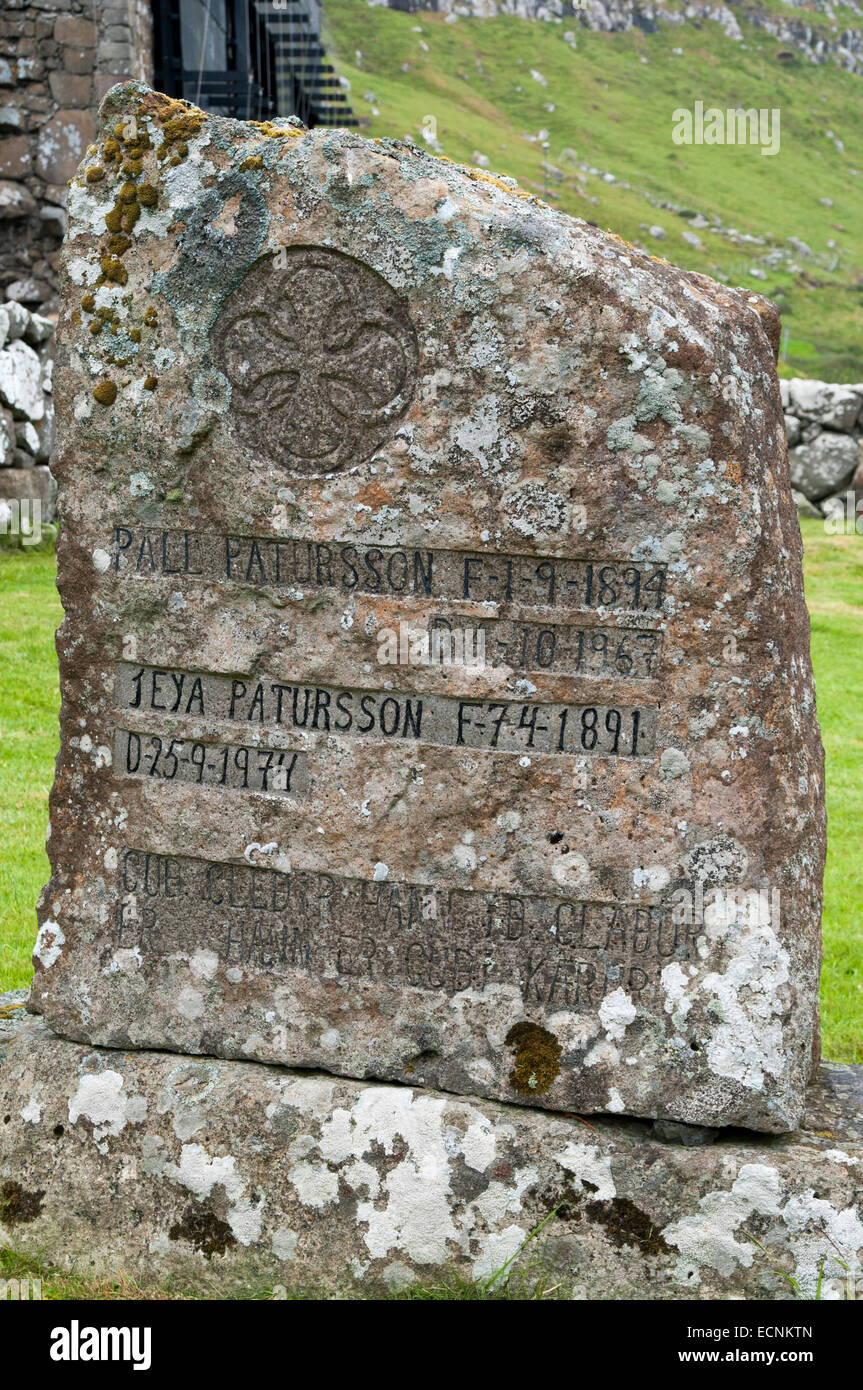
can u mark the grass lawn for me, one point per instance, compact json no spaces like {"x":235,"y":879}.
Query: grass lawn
{"x":523,"y":1279}
{"x":833,"y":567}
{"x":29,"y":738}
{"x":30,"y":611}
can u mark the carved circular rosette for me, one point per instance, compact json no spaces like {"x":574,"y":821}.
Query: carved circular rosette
{"x":322,"y":358}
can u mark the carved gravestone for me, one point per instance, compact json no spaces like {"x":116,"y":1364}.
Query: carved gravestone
{"x":437,"y":703}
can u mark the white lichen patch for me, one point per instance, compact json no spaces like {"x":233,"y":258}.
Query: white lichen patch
{"x":49,"y":943}
{"x":673,"y":763}
{"x":416,"y":1217}
{"x":316,"y":1185}
{"x":824,"y":1242}
{"x":616,"y":1012}
{"x":750,"y":999}
{"x":590,"y":1166}
{"x":101,"y":1099}
{"x":284,"y":1243}
{"x":190,"y":1003}
{"x":199,"y":1174}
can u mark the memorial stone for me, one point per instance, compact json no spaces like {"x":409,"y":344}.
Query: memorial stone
{"x":436,"y":694}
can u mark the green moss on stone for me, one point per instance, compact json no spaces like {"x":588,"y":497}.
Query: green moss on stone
{"x":537,"y":1058}
{"x":106,"y":392}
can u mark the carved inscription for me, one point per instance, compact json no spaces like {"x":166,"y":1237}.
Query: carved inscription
{"x":507,"y":726}
{"x":321,"y":355}
{"x":391,"y":571}
{"x":603,"y":652}
{"x":560,"y":953}
{"x":277,"y":772}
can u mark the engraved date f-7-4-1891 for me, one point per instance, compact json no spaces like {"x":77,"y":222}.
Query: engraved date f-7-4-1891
{"x":321,"y":356}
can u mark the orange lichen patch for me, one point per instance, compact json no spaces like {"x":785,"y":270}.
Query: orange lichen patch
{"x":274,"y":132}
{"x":733,"y":472}
{"x":480,"y":176}
{"x":106,"y":392}
{"x":113,"y":269}
{"x":118,"y":244}
{"x":94,"y":173}
{"x":180,"y":122}
{"x":254,"y":161}
{"x":374,"y":495}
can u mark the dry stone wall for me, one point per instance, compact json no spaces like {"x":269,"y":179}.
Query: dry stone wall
{"x":26,"y":416}
{"x":824,"y":427}
{"x":58,"y":58}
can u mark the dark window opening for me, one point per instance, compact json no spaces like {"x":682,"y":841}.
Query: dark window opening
{"x":256,"y":60}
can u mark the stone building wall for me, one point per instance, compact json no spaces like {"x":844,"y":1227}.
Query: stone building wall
{"x":57,"y":60}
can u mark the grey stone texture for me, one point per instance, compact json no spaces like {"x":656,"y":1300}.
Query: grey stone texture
{"x":825,"y":466}
{"x":557,"y":880}
{"x":237,"y":1178}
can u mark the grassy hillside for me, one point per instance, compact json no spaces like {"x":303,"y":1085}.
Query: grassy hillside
{"x":612,"y":97}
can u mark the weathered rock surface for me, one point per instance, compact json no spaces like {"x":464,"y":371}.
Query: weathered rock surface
{"x":836,"y":407}
{"x":314,"y":387}
{"x":21,"y":381}
{"x":235,"y":1177}
{"x":825,"y":466}
{"x":26,"y":412}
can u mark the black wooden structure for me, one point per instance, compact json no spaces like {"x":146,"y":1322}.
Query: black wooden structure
{"x":253,"y":59}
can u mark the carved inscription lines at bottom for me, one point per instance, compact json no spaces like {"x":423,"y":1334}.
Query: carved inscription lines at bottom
{"x":560,"y":952}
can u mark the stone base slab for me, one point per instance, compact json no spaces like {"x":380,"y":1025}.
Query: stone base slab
{"x":238,"y":1176}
